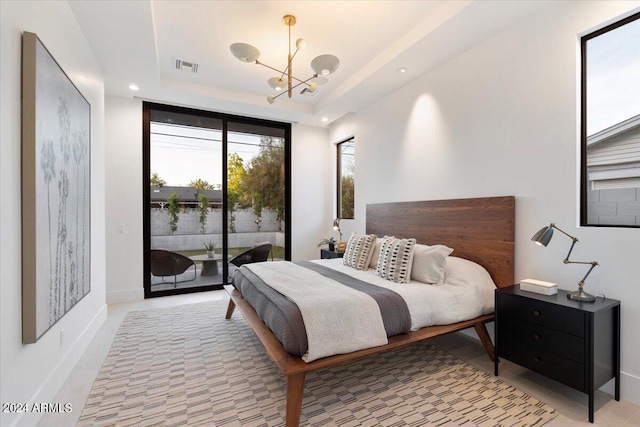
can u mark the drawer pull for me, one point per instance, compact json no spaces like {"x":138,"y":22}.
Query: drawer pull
{"x":536,"y":336}
{"x":536,"y":313}
{"x":537,"y":359}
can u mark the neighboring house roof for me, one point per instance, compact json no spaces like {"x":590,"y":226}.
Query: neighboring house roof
{"x":185,"y":194}
{"x":614,"y":130}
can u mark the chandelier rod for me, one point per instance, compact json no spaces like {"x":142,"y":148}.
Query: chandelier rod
{"x":299,"y":84}
{"x":284,"y":72}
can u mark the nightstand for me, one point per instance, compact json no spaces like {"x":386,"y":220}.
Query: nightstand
{"x":327,"y":254}
{"x":575,"y":343}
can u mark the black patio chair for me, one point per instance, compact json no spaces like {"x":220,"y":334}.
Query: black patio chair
{"x":166,"y":263}
{"x":258,"y":253}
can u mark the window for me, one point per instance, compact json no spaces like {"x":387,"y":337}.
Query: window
{"x":346,"y":174}
{"x":610,"y":125}
{"x":215,"y":186}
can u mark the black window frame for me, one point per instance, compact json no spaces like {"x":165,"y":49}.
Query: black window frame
{"x":146,"y":185}
{"x":584,"y":220}
{"x":339,"y":179}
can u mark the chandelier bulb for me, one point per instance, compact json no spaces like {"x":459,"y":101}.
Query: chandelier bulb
{"x":301,"y":44}
{"x":313,"y":86}
{"x":271,"y":99}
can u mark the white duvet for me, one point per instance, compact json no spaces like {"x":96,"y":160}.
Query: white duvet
{"x":468,"y":292}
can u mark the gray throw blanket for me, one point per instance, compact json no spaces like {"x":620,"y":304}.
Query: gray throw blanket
{"x":346,"y":310}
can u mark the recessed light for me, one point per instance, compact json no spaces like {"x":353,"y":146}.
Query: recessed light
{"x":133,"y":87}
{"x":403,"y":70}
{"x":325,"y":119}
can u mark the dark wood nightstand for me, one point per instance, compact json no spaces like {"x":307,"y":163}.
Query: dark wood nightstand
{"x":327,"y":254}
{"x":575,"y":343}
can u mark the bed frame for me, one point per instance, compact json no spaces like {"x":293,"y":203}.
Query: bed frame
{"x":479,"y":229}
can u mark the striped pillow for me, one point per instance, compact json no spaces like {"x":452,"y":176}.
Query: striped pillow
{"x":359,"y":251}
{"x":396,"y":257}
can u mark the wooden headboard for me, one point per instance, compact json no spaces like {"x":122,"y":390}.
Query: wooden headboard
{"x":479,"y":229}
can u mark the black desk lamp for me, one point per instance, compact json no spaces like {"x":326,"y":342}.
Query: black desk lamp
{"x":336,"y":226}
{"x":543,"y":237}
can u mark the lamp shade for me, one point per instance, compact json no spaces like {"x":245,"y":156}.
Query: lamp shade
{"x":277,"y":83}
{"x":244,"y":52}
{"x":336,"y":224}
{"x":543,"y":236}
{"x":325,"y":64}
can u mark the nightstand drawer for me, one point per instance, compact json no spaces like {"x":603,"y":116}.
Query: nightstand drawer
{"x":528,"y":334}
{"x":548,"y":364}
{"x":545,"y":314}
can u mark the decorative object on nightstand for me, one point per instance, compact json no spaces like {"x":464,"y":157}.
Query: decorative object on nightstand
{"x":341,"y":244}
{"x":573,"y":343}
{"x":543,"y":237}
{"x":330,"y":241}
{"x":538,"y":286}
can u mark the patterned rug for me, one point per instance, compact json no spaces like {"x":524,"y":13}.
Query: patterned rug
{"x":186,"y":365}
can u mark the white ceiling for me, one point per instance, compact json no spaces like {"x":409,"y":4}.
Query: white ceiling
{"x":139,"y":42}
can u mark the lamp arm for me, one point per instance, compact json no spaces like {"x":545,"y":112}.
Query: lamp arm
{"x":574,"y":239}
{"x":285,"y":72}
{"x":593,"y":265}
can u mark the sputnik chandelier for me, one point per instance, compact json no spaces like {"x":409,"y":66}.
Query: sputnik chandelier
{"x":322,"y":65}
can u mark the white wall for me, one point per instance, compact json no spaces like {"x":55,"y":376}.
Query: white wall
{"x":123,"y":133}
{"x":483,"y":124}
{"x":35,"y":372}
{"x":311,"y":193}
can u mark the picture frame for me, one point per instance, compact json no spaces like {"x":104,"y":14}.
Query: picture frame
{"x":56,"y":196}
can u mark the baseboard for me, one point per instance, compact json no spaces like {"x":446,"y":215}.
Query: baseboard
{"x":114,"y":297}
{"x":51,"y":385}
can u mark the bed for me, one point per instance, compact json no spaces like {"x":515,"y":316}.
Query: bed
{"x":479,"y":229}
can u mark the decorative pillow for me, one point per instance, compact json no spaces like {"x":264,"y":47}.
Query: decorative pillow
{"x":359,"y":251}
{"x":429,"y":263}
{"x":375,"y":253}
{"x":396,"y":256}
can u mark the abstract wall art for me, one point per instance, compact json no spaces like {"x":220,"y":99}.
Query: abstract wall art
{"x":56,"y":136}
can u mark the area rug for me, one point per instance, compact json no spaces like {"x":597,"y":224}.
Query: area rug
{"x":187,"y":366}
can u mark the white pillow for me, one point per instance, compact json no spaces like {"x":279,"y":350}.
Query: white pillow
{"x":429,"y":263}
{"x":396,"y":257}
{"x":359,"y":251}
{"x":461,"y":272}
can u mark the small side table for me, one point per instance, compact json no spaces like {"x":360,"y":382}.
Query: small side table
{"x":575,"y":343}
{"x":209,"y":264}
{"x":327,"y":254}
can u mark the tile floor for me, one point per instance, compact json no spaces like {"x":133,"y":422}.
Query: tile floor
{"x":571,"y":405}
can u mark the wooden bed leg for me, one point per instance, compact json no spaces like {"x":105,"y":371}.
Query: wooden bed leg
{"x":230,"y":308}
{"x":295,"y":391}
{"x":481,"y":330}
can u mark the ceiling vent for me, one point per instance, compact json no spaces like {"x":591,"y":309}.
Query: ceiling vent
{"x":310,"y":94}
{"x":186,"y":66}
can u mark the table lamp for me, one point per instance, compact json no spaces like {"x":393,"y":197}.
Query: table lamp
{"x":543,"y":237}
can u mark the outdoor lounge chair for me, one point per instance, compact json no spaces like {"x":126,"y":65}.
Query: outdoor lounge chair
{"x":166,"y":263}
{"x":258,"y":253}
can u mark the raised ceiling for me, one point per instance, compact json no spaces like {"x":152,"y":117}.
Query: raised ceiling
{"x":140,"y":41}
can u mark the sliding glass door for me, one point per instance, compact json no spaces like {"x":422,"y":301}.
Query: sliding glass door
{"x":215,"y":186}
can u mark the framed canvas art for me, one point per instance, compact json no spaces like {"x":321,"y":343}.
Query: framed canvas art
{"x":56,"y":197}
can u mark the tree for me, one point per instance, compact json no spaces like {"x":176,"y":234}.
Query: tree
{"x":201,"y":184}
{"x":157,"y":181}
{"x":173,"y":208}
{"x":264,"y":177}
{"x":235,"y":177}
{"x":203,"y":208}
{"x":347,"y":197}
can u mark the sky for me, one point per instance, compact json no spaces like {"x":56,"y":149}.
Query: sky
{"x":613,"y":77}
{"x":181,"y":154}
